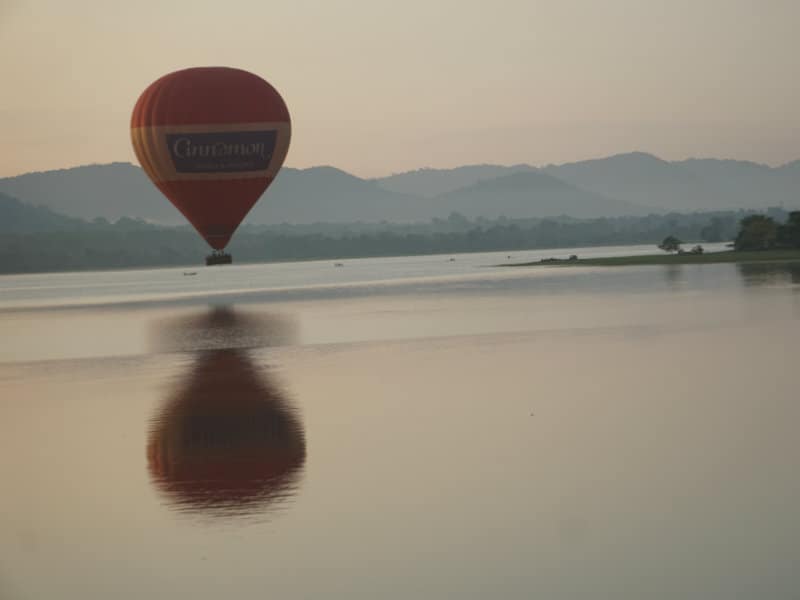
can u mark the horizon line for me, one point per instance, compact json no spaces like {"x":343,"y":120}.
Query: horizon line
{"x":451,"y":168}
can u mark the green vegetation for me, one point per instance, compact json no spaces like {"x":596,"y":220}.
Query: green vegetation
{"x":670,"y":244}
{"x":730,"y":256}
{"x":762,"y":232}
{"x":37,"y":240}
{"x":760,"y":239}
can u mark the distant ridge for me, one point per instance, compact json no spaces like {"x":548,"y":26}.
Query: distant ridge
{"x":433,"y":182}
{"x":327,"y":194}
{"x":109,"y":191}
{"x":623,"y":184}
{"x":19,"y":217}
{"x":532,"y":194}
{"x":694,"y":184}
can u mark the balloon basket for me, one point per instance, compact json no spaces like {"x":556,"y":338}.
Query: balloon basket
{"x":218,"y":258}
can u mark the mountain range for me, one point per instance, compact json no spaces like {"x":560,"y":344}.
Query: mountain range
{"x":21,"y":217}
{"x":625,"y":184}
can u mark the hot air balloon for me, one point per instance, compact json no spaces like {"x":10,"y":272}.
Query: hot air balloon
{"x":212,"y":139}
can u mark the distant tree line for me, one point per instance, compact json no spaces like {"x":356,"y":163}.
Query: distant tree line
{"x":131,"y":243}
{"x":764,"y":232}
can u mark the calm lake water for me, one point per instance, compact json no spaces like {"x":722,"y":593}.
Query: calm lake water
{"x":414,"y":427}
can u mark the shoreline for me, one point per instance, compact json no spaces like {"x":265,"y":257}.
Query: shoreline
{"x":726,"y":256}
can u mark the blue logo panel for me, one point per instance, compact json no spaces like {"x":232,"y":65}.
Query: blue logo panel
{"x":221,"y":152}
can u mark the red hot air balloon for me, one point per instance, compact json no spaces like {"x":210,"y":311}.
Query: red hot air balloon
{"x":212,"y":139}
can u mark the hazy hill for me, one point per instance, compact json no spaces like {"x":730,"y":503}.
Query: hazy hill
{"x":110,"y":191}
{"x":20,"y":217}
{"x":695,"y":184}
{"x":428,"y":183}
{"x":790,"y":173}
{"x":297,"y":196}
{"x":529,"y":195}
{"x":791,"y":169}
{"x":613,"y":186}
{"x":326,"y":194}
{"x":637,"y":177}
{"x":319,"y":194}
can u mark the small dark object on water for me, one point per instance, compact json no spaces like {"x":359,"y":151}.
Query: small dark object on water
{"x":187,"y":273}
{"x":452,"y":259}
{"x":218,"y":257}
{"x":338,"y":264}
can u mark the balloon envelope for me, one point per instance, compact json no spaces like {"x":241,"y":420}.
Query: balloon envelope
{"x":212,"y":139}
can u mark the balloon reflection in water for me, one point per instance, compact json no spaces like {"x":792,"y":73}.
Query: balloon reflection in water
{"x":227,"y":442}
{"x":221,"y":328}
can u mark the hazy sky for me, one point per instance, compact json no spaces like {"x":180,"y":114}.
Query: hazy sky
{"x":380,"y":86}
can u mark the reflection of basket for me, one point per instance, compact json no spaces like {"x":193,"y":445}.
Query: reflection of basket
{"x":218,"y":258}
{"x":218,"y":329}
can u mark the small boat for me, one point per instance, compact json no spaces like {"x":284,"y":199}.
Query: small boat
{"x":338,"y":264}
{"x":188,"y":273}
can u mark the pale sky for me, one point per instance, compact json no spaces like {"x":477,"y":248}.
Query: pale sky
{"x":381,"y":86}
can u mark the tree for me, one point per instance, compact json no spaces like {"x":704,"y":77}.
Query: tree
{"x":719,"y":229}
{"x":670,"y":244}
{"x":757,"y":232}
{"x":789,"y":232}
